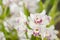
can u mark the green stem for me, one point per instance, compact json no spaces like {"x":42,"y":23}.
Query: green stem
{"x":26,"y":35}
{"x":53,"y":9}
{"x":4,"y":14}
{"x":46,"y":3}
{"x":36,"y":38}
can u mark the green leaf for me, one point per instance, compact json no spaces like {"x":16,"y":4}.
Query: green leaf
{"x":12,"y":35}
{"x":57,"y":17}
{"x":45,"y":39}
{"x":6,"y":13}
{"x":48,"y":2}
{"x":28,"y":27}
{"x":48,"y":5}
{"x":2,"y":27}
{"x":40,"y":7}
{"x":0,"y":2}
{"x":26,"y":11}
{"x":32,"y":38}
{"x":35,"y":38}
{"x":26,"y":35}
{"x":53,"y":13}
{"x":53,"y":9}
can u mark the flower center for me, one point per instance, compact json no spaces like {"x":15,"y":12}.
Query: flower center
{"x":36,"y":29}
{"x":38,"y":21}
{"x":36,"y":32}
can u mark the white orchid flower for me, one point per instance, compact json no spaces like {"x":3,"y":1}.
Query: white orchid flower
{"x":31,"y":5}
{"x":10,"y":23}
{"x":52,"y":32}
{"x":0,"y":10}
{"x":49,"y":33}
{"x":16,"y":1}
{"x":42,"y":33}
{"x":38,"y":21}
{"x":35,"y":32}
{"x":21,"y":31}
{"x":8,"y":2}
{"x":2,"y":37}
{"x":20,"y":3}
{"x":5,"y":2}
{"x":40,"y":18}
{"x":15,"y":21}
{"x":36,"y":29}
{"x":18,"y":23}
{"x":15,"y":6}
{"x":14,"y":9}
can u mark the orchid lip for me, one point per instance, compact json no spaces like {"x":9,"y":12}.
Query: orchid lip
{"x":35,"y":34}
{"x":38,"y":21}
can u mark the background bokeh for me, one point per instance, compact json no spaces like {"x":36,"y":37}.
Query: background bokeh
{"x":52,"y":7}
